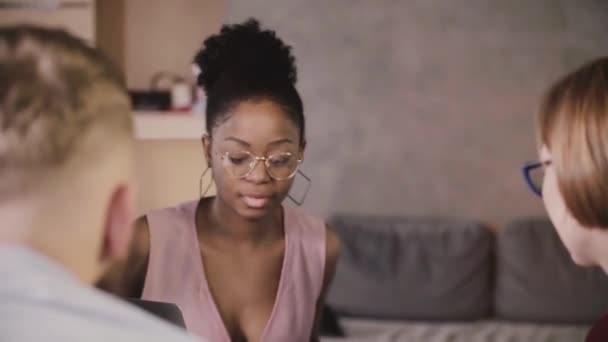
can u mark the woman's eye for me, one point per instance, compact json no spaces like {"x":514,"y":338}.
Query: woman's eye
{"x":236,"y":160}
{"x":280,"y":161}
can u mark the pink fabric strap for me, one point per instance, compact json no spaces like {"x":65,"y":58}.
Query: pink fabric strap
{"x":175,"y":274}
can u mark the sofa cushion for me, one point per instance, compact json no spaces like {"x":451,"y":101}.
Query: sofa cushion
{"x":537,"y":281}
{"x":365,"y":330}
{"x":412,"y":268}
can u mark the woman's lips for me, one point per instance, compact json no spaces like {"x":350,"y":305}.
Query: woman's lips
{"x":256,"y":201}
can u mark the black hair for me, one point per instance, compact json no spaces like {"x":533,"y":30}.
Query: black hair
{"x":244,"y":62}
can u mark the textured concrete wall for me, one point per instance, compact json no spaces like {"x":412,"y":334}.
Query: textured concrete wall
{"x":426,"y":107}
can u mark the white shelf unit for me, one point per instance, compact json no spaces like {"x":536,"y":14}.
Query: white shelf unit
{"x":168,"y":125}
{"x":76,"y":17}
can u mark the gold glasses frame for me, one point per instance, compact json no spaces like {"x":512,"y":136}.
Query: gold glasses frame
{"x":266,"y":160}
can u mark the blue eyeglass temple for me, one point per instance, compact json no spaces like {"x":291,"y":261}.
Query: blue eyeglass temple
{"x":527,"y":173}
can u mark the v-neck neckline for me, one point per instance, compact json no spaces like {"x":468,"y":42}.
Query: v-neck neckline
{"x":280,"y":287}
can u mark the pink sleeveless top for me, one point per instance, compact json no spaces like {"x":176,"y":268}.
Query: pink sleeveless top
{"x":175,"y":274}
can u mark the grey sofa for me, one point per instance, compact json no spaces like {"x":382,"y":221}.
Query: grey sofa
{"x":439,"y":280}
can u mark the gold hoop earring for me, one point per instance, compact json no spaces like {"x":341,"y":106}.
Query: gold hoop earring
{"x":202,"y":194}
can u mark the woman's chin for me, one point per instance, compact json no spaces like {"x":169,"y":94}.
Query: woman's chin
{"x":253,"y":210}
{"x":255,"y":213}
{"x":582,"y":260}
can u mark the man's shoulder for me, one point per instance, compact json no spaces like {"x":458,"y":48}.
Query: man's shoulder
{"x":41,"y":301}
{"x":84,"y":315}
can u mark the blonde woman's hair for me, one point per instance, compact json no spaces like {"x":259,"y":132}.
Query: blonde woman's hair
{"x":573,"y":124}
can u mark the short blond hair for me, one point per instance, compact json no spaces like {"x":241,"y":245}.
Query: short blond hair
{"x":56,"y":93}
{"x":573,"y":124}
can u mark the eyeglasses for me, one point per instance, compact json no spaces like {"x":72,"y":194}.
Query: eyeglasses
{"x":282,"y":166}
{"x":534,"y":174}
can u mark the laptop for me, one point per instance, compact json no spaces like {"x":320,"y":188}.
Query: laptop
{"x":167,"y":311}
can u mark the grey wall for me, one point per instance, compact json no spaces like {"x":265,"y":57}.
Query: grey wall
{"x":427,"y":107}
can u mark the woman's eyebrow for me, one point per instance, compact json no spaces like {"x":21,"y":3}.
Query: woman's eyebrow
{"x":238,"y":141}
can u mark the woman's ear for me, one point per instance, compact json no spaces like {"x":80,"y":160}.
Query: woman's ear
{"x":302,"y":149}
{"x":206,"y":140}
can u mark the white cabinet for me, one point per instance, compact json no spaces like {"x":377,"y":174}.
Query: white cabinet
{"x":168,"y":125}
{"x":77,"y":17}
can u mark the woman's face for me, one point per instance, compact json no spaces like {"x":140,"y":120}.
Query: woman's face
{"x":262,"y":129}
{"x":574,"y":236}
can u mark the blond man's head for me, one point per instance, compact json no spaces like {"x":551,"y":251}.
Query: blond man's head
{"x":66,"y":141}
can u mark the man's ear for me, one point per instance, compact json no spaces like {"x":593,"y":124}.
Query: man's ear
{"x":118,"y":224}
{"x":206,"y":140}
